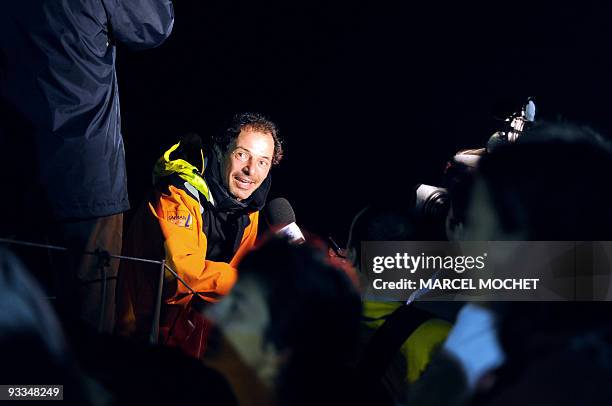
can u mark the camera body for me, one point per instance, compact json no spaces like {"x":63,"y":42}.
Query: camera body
{"x":433,"y":203}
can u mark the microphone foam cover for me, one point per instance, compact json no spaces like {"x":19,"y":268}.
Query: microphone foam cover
{"x":278,"y":212}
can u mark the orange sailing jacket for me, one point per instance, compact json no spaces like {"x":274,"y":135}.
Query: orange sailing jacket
{"x":170,"y":225}
{"x":180,"y":220}
{"x":172,"y":221}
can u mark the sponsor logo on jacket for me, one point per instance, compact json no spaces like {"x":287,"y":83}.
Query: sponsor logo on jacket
{"x":180,"y":218}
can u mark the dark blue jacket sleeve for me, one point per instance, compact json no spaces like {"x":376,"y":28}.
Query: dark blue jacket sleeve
{"x":140,"y":24}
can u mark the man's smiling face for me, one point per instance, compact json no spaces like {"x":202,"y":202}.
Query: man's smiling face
{"x":247,"y":162}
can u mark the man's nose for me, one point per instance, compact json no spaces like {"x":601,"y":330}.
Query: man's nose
{"x":249,"y":167}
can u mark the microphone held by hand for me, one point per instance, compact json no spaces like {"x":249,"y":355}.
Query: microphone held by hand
{"x":281,"y":219}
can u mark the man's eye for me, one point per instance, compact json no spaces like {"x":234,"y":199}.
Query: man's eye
{"x":242,"y":156}
{"x":263,"y":164}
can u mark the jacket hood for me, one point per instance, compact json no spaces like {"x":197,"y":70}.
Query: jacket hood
{"x":165,"y":166}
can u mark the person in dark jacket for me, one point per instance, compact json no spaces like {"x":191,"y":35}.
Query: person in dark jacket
{"x":62,"y":118}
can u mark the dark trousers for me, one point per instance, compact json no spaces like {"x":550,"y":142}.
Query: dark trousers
{"x":85,"y":284}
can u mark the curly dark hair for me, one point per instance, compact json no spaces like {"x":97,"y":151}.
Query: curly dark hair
{"x":252,"y":121}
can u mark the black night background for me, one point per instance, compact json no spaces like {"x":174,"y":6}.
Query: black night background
{"x":371,"y":97}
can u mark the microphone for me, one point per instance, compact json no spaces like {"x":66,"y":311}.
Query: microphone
{"x":281,"y":219}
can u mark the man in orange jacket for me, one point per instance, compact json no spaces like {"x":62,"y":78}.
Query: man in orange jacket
{"x":205,"y":217}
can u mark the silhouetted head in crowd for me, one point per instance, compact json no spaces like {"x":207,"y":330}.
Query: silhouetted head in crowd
{"x":553,"y":184}
{"x":32,"y":345}
{"x":24,"y":308}
{"x":379,"y":222}
{"x":554,"y":351}
{"x":292,"y":317}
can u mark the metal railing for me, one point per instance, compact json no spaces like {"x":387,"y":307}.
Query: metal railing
{"x":104,"y":256}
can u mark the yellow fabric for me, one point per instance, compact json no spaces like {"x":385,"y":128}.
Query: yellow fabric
{"x":376,"y":312}
{"x":420,"y":346}
{"x":186,"y":171}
